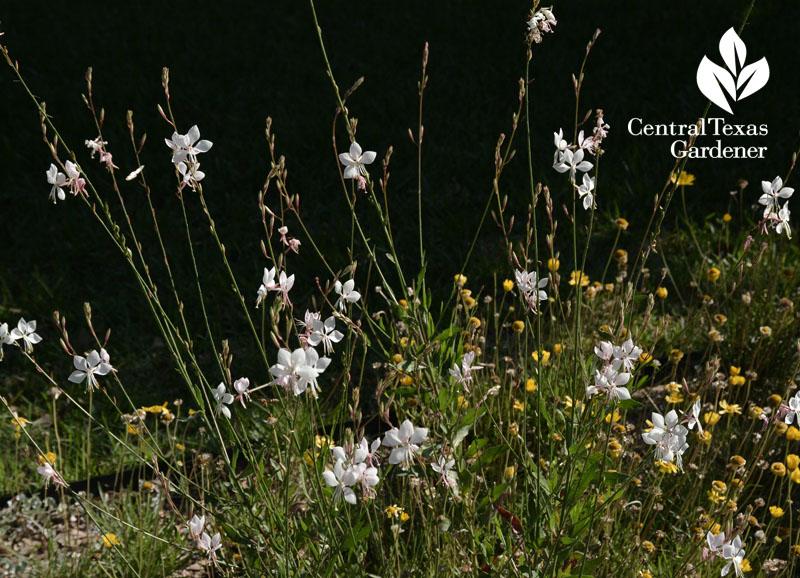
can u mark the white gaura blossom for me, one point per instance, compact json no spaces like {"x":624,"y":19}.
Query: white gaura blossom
{"x":58,"y":180}
{"x":734,"y":554}
{"x":187,"y":146}
{"x":133,"y":174}
{"x":26,"y":331}
{"x":694,"y":417}
{"x":240,"y":386}
{"x":618,"y":361}
{"x":88,"y":368}
{"x":298,"y":370}
{"x":773,"y":192}
{"x":325,"y":333}
{"x":342,"y":479}
{"x":196,"y":525}
{"x":223,"y":400}
{"x":794,"y":410}
{"x":569,"y":161}
{"x":560,"y":143}
{"x":444,"y":467}
{"x":210,"y":544}
{"x":542,"y":21}
{"x":715,"y":543}
{"x":585,"y":192}
{"x":268,"y":283}
{"x":463,"y":374}
{"x":354,"y":161}
{"x":191,"y":174}
{"x":347,"y":293}
{"x":611,"y":382}
{"x":532,"y":288}
{"x":781,"y":221}
{"x":627,"y":354}
{"x":6,"y":338}
{"x":405,"y":442}
{"x":668,"y":436}
{"x":50,"y":475}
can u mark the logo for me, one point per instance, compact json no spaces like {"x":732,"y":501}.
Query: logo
{"x":737,"y":80}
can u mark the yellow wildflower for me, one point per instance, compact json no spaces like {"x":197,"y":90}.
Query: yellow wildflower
{"x":508,"y":285}
{"x":792,"y":461}
{"x":518,"y":326}
{"x":553,"y":264}
{"x":622,"y":223}
{"x":729,"y":408}
{"x":530,"y":385}
{"x":683,"y":179}
{"x":778,"y":469}
{"x":662,"y":293}
{"x":713,"y":274}
{"x":578,"y":278}
{"x":726,"y":218}
{"x":775,"y":511}
{"x":110,"y":540}
{"x":460,"y":279}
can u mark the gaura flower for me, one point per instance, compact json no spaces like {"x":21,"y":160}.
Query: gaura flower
{"x":223,"y":400}
{"x":354,"y":161}
{"x":58,"y":180}
{"x":187,"y":145}
{"x":405,"y":442}
{"x":26,"y":331}
{"x":210,"y":544}
{"x":347,"y":293}
{"x":88,"y":368}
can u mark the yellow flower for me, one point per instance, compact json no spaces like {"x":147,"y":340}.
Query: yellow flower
{"x":774,"y":400}
{"x":710,"y":418}
{"x":621,"y":256}
{"x":684,"y":179}
{"x":765,"y":330}
{"x":403,"y":303}
{"x":155,"y":408}
{"x":518,"y":326}
{"x":509,"y":472}
{"x":192,"y":411}
{"x":406,"y":380}
{"x":754,"y":412}
{"x":608,"y":287}
{"x":508,"y":285}
{"x":460,"y":279}
{"x":738,"y":461}
{"x":675,"y":397}
{"x":792,"y":461}
{"x":645,"y":357}
{"x":614,"y":448}
{"x":720,"y":319}
{"x":645,"y":574}
{"x":474,"y":322}
{"x":795,"y":476}
{"x":553,"y":264}
{"x":675,"y":355}
{"x":719,"y":486}
{"x":737,"y":380}
{"x":404,"y":342}
{"x":729,"y":408}
{"x":513,"y":429}
{"x":778,"y":469}
{"x":530,"y":385}
{"x":715,"y":497}
{"x":462,"y":403}
{"x":726,"y":218}
{"x":518,"y":405}
{"x":662,"y":293}
{"x":792,"y":434}
{"x":775,"y":511}
{"x":713,"y":274}
{"x":666,"y":467}
{"x":781,"y":427}
{"x":615,"y":416}
{"x":558,"y":348}
{"x":578,"y":278}
{"x":48,"y":457}
{"x":393,"y":511}
{"x":545,"y":356}
{"x":397,"y":358}
{"x":622,"y":223}
{"x":704,"y":437}
{"x":404,"y":516}
{"x":180,"y":447}
{"x":110,"y":540}
{"x":469,"y":301}
{"x":648,"y":546}
{"x":734,"y":370}
{"x":746,"y":567}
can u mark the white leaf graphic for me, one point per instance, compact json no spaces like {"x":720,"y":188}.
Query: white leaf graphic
{"x":709,"y":78}
{"x":731,"y":47}
{"x":753,"y":77}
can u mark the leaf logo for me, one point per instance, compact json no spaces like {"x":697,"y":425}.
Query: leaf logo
{"x":737,"y":80}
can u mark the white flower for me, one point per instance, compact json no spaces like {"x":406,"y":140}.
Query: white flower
{"x":95,"y":146}
{"x":347,"y":293}
{"x":734,"y":553}
{"x":210,"y":544}
{"x":772,"y":193}
{"x":76,"y":182}
{"x":627,"y":354}
{"x":569,"y":161}
{"x":267,"y":284}
{"x":87,"y":368}
{"x":405,"y":442}
{"x":58,"y":180}
{"x":611,"y":383}
{"x":6,"y":338}
{"x":366,"y":452}
{"x":325,"y":333}
{"x":190,"y":174}
{"x":560,"y":143}
{"x":694,"y":417}
{"x":26,"y":330}
{"x":298,"y":369}
{"x":542,"y":21}
{"x":223,"y":401}
{"x":196,"y":525}
{"x":355,"y":160}
{"x":132,"y":175}
{"x":285,"y":284}
{"x":532,"y":288}
{"x":240,"y":386}
{"x":46,"y":470}
{"x":585,"y":192}
{"x":463,"y":374}
{"x":782,"y":220}
{"x":341,"y":479}
{"x":187,"y":145}
{"x":668,"y":436}
{"x":794,"y":410}
{"x":444,"y":467}
{"x":604,"y":350}
{"x":715,"y":543}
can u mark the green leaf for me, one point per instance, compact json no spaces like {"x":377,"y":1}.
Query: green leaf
{"x":352,"y":539}
{"x":629,"y":404}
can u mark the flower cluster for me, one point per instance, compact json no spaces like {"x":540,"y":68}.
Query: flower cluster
{"x":774,"y":213}
{"x":532,"y":288}
{"x":209,"y":544}
{"x":618,"y":361}
{"x":540,"y":23}
{"x":59,"y":180}
{"x":463,"y":374}
{"x":25,"y":331}
{"x":268,"y":283}
{"x":185,"y":148}
{"x":668,"y":436}
{"x":350,"y":470}
{"x":298,"y":370}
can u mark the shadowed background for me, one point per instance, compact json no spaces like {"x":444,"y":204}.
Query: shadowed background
{"x":233,"y":64}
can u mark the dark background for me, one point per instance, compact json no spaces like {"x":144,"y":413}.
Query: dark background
{"x":233,"y":64}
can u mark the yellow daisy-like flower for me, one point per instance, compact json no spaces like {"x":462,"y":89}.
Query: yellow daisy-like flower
{"x":792,"y":461}
{"x":615,"y":416}
{"x":474,"y":322}
{"x":715,"y":497}
{"x":48,"y":457}
{"x":666,"y":467}
{"x":778,"y":469}
{"x":737,"y":380}
{"x":518,"y":326}
{"x":713,"y":274}
{"x":545,"y":356}
{"x":726,"y":218}
{"x":508,"y":285}
{"x":720,"y":319}
{"x":738,"y":461}
{"x":558,"y":348}
{"x":509,"y":472}
{"x":110,"y":540}
{"x":775,"y":511}
{"x":684,"y":179}
{"x":530,"y":385}
{"x":406,"y":380}
{"x":765,"y":330}
{"x":462,"y":402}
{"x":729,"y":408}
{"x":675,"y":355}
{"x":155,"y":408}
{"x":614,"y":449}
{"x":622,"y":223}
{"x":553,"y":264}
{"x":460,"y":279}
{"x":710,"y":418}
{"x":674,"y":398}
{"x":518,"y":405}
{"x":393,"y":511}
{"x":645,"y":357}
{"x":469,"y":301}
{"x":793,"y":434}
{"x":648,"y":546}
{"x":621,"y":256}
{"x":404,"y":304}
{"x":704,"y":437}
{"x":795,"y":476}
{"x":662,"y":292}
{"x":397,"y":358}
{"x":578,"y":278}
